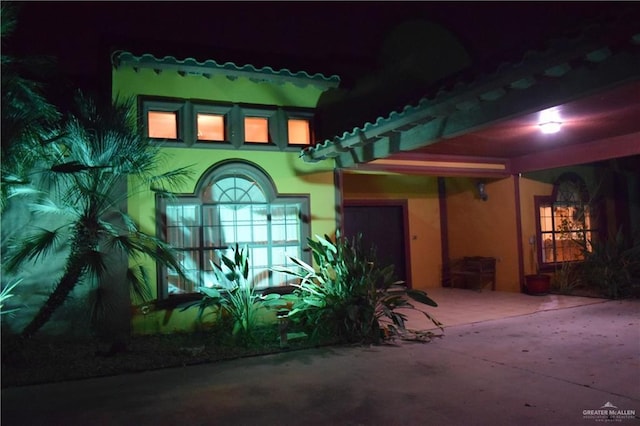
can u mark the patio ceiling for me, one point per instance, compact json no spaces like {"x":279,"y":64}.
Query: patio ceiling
{"x":489,"y":127}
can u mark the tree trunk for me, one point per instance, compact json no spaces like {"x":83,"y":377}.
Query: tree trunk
{"x":67,"y":283}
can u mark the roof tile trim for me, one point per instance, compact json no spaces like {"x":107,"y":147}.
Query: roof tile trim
{"x":191,"y":66}
{"x":521,"y":75}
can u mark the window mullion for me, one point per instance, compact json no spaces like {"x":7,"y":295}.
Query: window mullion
{"x":269,"y":242}
{"x":201,"y":245}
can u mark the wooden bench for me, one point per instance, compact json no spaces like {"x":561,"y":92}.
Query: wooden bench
{"x":473,"y":272}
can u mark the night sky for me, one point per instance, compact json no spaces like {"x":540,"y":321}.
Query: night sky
{"x":341,"y":38}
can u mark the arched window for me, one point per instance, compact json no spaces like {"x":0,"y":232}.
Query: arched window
{"x":565,"y":222}
{"x":234,"y":203}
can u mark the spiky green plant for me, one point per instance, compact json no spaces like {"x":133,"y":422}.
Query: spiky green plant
{"x":235,"y":295}
{"x":613,"y":266}
{"x":348,"y":295}
{"x":87,"y":170}
{"x":5,"y":294}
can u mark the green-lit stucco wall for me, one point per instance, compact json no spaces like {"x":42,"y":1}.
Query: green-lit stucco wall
{"x":290,"y":174}
{"x":127,"y":81}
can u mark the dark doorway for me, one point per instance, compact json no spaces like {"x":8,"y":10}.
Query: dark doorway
{"x":382,"y":226}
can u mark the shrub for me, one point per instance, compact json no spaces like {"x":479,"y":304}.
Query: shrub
{"x":349,"y":296}
{"x":613,"y":266}
{"x":236,"y":297}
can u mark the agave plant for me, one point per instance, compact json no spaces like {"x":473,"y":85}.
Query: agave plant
{"x":87,"y":170}
{"x":349,"y":296}
{"x":235,"y":295}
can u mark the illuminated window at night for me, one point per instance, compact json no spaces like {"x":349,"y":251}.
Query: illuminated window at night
{"x":299,"y":131}
{"x":210,"y":127}
{"x":566,"y":224}
{"x":187,"y":123}
{"x":256,"y":129}
{"x":162,"y":125}
{"x":237,"y":204}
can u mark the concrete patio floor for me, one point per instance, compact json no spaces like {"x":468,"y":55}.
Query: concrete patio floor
{"x":458,"y":306}
{"x":505,"y":359}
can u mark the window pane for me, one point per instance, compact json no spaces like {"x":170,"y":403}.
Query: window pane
{"x":260,"y":225}
{"x":210,"y":230}
{"x":279,"y":258}
{"x":259,"y":267}
{"x":567,"y":249}
{"x":237,"y":189}
{"x":210,"y":127}
{"x":547,"y":248}
{"x":208,"y":278}
{"x":233,"y":209}
{"x":163,"y":125}
{"x":285,"y":223}
{"x":227,"y":225}
{"x":183,"y":226}
{"x":256,"y":129}
{"x":565,"y":228}
{"x":191,"y":268}
{"x":299,"y":132}
{"x":546,"y":223}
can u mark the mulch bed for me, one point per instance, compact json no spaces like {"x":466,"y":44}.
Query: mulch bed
{"x":48,"y":360}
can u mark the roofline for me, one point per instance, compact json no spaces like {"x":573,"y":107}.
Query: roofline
{"x":536,"y":69}
{"x":209,"y":68}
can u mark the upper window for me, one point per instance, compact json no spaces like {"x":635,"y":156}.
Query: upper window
{"x":163,"y":120}
{"x":565,"y":222}
{"x":187,"y":123}
{"x":210,"y":127}
{"x":256,"y":129}
{"x":163,"y":125}
{"x":299,"y":131}
{"x":235,"y":203}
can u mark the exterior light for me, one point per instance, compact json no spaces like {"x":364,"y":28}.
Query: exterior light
{"x":482,"y":193}
{"x":550,"y":121}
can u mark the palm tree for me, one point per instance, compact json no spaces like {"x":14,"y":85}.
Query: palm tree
{"x":28,"y":119}
{"x":88,"y":167}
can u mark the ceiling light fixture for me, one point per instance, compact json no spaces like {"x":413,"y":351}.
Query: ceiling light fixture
{"x":550,"y":121}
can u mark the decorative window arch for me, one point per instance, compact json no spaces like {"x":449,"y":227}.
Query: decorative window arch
{"x":565,"y":222}
{"x":235,"y":202}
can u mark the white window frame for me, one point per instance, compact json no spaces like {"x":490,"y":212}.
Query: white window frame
{"x":202,"y":253}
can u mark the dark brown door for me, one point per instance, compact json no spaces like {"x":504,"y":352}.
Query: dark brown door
{"x":382,"y":226}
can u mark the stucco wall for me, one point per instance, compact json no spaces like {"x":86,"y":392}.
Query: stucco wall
{"x":421,"y":193}
{"x":528,"y":189}
{"x":290,"y":174}
{"x":127,"y":81}
{"x":484,"y":228}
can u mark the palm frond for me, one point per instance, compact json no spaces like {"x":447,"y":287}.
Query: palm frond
{"x":171,"y":179}
{"x":33,"y":247}
{"x":139,"y":244}
{"x":139,"y":283}
{"x":6,"y":293}
{"x":23,"y":190}
{"x":47,"y":206}
{"x":9,"y":20}
{"x":95,"y":263}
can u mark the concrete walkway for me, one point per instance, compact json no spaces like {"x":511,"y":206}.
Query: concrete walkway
{"x":506,"y":359}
